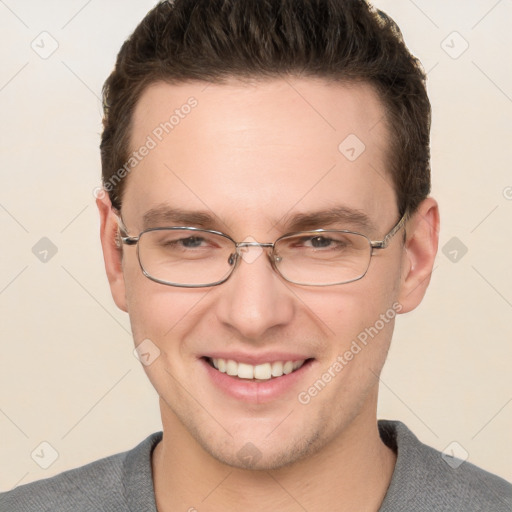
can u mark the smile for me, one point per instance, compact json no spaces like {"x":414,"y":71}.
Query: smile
{"x":264,"y":371}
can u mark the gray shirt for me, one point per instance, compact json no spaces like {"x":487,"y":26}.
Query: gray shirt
{"x":422,"y":481}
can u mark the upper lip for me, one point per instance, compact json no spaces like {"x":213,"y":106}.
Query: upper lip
{"x":255,"y":359}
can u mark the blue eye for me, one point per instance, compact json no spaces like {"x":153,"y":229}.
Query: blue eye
{"x":191,"y":242}
{"x":321,"y":241}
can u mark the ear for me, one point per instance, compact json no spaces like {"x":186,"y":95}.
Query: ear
{"x":112,"y":250}
{"x":422,"y":237}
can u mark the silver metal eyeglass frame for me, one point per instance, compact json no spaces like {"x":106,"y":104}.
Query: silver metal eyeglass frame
{"x":134,"y":240}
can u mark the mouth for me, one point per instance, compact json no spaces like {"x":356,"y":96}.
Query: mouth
{"x":262,"y":372}
{"x":258,"y":378}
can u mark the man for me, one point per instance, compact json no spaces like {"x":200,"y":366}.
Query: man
{"x":265,"y":218}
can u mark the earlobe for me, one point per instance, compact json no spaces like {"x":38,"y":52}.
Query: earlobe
{"x":112,"y":250}
{"x":419,"y":254}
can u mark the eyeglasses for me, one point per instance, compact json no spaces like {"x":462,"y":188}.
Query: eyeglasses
{"x":192,"y":257}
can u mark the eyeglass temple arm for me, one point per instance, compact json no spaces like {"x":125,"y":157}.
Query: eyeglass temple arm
{"x":382,"y":244}
{"x":123,"y":230}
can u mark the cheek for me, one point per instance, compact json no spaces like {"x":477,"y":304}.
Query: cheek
{"x":163,"y":314}
{"x":153,"y":308}
{"x":358,"y":321}
{"x":344,"y":311}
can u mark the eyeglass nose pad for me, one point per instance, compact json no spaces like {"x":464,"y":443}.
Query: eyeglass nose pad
{"x":275,"y":259}
{"x":233,"y":257}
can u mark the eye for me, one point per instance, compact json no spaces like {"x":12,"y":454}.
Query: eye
{"x":331,"y":241}
{"x":179,"y":241}
{"x":319,"y":242}
{"x":190,"y":242}
{"x":328,"y":243}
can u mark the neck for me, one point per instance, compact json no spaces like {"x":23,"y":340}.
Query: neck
{"x":352,"y":472}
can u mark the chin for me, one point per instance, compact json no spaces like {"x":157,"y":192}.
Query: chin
{"x":263,"y":455}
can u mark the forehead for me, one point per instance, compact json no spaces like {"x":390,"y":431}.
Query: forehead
{"x":258,"y":152}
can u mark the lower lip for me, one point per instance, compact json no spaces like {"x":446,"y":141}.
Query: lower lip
{"x":252,"y":391}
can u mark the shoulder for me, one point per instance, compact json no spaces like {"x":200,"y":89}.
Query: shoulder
{"x":99,"y":485}
{"x":68,"y":490}
{"x":426,"y":479}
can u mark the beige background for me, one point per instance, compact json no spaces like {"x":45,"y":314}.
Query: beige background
{"x":68,"y":376}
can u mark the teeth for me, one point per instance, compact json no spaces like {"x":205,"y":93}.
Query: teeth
{"x":277,"y":369}
{"x":263,"y":371}
{"x":245,"y":371}
{"x":288,"y":367}
{"x":231,"y":367}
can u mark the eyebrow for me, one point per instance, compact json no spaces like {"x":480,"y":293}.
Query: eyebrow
{"x":163,"y":215}
{"x":341,"y":217}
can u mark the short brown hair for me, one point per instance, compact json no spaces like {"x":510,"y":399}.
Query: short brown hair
{"x":216,"y":40}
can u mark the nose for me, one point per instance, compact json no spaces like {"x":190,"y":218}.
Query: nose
{"x":255,"y":299}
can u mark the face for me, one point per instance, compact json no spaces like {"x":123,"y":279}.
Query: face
{"x":251,"y":158}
